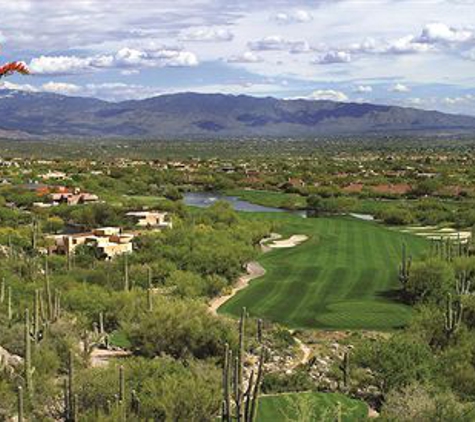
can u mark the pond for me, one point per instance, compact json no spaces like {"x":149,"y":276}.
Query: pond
{"x":205,"y":199}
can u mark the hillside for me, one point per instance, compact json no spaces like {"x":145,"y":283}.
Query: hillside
{"x":212,"y":116}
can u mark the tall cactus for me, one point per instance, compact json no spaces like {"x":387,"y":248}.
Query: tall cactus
{"x":257,"y":386}
{"x":101,"y":323}
{"x":126,"y":273}
{"x":9,"y":304}
{"x":259,"y":330}
{"x":240,"y":404}
{"x":20,"y":406}
{"x":453,"y":316}
{"x":34,"y":233}
{"x":71,"y":398}
{"x":28,"y":370}
{"x":2,"y":290}
{"x":121,"y":395}
{"x":49,"y":297}
{"x":227,"y":368}
{"x":404,"y":267}
{"x":149,"y":290}
{"x":240,"y":368}
{"x":36,"y":316}
{"x":463,"y":283}
{"x":345,"y":369}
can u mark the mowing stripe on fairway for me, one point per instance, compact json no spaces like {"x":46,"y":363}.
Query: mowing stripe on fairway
{"x":343,"y":277}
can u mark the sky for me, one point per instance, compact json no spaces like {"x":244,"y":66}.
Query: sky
{"x":402,"y":52}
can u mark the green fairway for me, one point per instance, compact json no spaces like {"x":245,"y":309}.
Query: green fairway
{"x":270,"y":199}
{"x":307,"y":407}
{"x":343,"y":277}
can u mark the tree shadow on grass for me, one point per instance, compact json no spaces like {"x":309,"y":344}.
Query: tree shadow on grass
{"x":394,"y":295}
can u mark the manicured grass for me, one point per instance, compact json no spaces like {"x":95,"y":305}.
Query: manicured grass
{"x":270,"y":199}
{"x":322,"y":407}
{"x":119,"y":339}
{"x":343,"y":277}
{"x":143,"y":200}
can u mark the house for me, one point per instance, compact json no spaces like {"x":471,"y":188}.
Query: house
{"x":70,"y":198}
{"x":392,"y":189}
{"x":54,"y":175}
{"x":152,"y":219}
{"x":107,"y":242}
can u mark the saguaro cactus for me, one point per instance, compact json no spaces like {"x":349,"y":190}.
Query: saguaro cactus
{"x":49,"y":297}
{"x":36,"y":316}
{"x":453,"y":316}
{"x":345,"y":369}
{"x":2,"y":290}
{"x":149,"y":290}
{"x":242,"y":407}
{"x":20,"y":404}
{"x":71,"y":399}
{"x":463,"y":283}
{"x":28,"y":371}
{"x":404,"y":267}
{"x":121,"y":396}
{"x":9,"y":304}
{"x":126,"y":273}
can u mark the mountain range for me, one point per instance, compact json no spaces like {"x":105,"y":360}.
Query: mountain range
{"x":189,"y":115}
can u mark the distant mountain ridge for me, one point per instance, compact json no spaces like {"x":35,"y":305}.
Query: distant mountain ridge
{"x":189,"y":115}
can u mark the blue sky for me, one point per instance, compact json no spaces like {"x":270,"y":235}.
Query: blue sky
{"x":405,"y":52}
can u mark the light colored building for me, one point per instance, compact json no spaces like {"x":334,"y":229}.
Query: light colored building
{"x":108,"y":242}
{"x":54,"y":175}
{"x":73,"y":198}
{"x":152,"y":219}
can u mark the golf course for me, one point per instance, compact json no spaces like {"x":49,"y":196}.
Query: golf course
{"x":343,"y":277}
{"x":322,"y":407}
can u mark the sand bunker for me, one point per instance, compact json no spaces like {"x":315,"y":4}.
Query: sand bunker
{"x":291,"y":242}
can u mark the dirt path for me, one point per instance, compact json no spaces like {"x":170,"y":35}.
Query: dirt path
{"x":254,"y":270}
{"x":306,"y":352}
{"x":100,"y":357}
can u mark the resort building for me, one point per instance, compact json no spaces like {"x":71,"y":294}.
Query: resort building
{"x":151,"y":219}
{"x":107,"y":242}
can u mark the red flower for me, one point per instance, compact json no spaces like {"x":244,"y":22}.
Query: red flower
{"x":13,"y":67}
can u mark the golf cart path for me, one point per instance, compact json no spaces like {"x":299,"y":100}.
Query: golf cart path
{"x":254,"y":269}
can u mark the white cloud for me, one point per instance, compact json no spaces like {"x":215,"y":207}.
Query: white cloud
{"x":18,"y":87}
{"x":278,"y":43}
{"x":440,"y":32}
{"x":58,"y":65}
{"x":246,"y":57}
{"x":464,"y":99}
{"x":363,"y":89}
{"x":328,"y":94}
{"x":61,"y":88}
{"x":207,"y":34}
{"x":405,"y":45}
{"x":333,"y":57}
{"x":400,"y":88}
{"x":295,"y":16}
{"x":119,"y":91}
{"x":112,"y":91}
{"x":124,"y":58}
